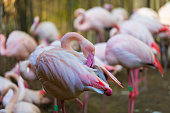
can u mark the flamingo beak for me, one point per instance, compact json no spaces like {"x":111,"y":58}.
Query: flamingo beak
{"x":42,"y":92}
{"x":90,"y":60}
{"x":155,"y":46}
{"x":158,"y":65}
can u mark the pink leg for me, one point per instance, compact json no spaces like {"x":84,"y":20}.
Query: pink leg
{"x":80,"y":104}
{"x":133,"y":92}
{"x":63,"y":106}
{"x":136,"y":81}
{"x":55,"y":106}
{"x":103,"y":103}
{"x":102,"y":36}
{"x":130,"y":92}
{"x":86,"y":101}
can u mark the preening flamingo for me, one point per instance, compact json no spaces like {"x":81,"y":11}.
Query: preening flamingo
{"x":44,"y":30}
{"x":65,"y":70}
{"x":131,"y":53}
{"x":19,"y":45}
{"x":96,"y":19}
{"x":139,"y":31}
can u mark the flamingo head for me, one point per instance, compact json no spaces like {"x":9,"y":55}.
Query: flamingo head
{"x":79,"y":12}
{"x":108,"y":6}
{"x":108,"y":92}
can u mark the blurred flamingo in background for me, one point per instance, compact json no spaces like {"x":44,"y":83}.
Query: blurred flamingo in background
{"x":31,"y":96}
{"x":96,"y":19}
{"x":44,"y":30}
{"x":131,"y":53}
{"x":19,"y":45}
{"x":165,"y":37}
{"x":82,"y":78}
{"x":14,"y":105}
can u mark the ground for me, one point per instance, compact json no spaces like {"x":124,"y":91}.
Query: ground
{"x":155,"y":98}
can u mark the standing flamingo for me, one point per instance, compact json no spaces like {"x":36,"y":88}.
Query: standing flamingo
{"x":131,"y":53}
{"x":139,"y":31}
{"x":164,"y":37}
{"x":68,"y":73}
{"x":44,"y":30}
{"x":96,"y":19}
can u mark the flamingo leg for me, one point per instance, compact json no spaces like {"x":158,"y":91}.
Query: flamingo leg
{"x":130,"y":92}
{"x":136,"y":80}
{"x":102,"y":36}
{"x":133,"y":92}
{"x":55,"y":106}
{"x":97,"y":37}
{"x":80,"y":104}
{"x":86,"y":101}
{"x":63,"y":106}
{"x":103,"y":103}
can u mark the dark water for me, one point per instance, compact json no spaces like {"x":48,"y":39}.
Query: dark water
{"x":155,"y":98}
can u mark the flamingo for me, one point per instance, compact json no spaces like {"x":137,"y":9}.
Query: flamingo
{"x":139,"y":31}
{"x":108,"y":6}
{"x":164,"y":37}
{"x":17,"y":107}
{"x":100,"y":49}
{"x":78,"y":77}
{"x":131,"y":53}
{"x":31,"y":96}
{"x":44,"y":30}
{"x":19,"y":45}
{"x":96,"y":19}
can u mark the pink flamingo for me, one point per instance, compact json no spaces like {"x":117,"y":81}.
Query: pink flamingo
{"x":164,"y":19}
{"x":78,"y":77}
{"x":139,"y":31}
{"x":44,"y":30}
{"x":96,"y":19}
{"x":131,"y":53}
{"x":19,"y":45}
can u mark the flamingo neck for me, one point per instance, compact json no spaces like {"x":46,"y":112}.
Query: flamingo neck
{"x":12,"y":102}
{"x":2,"y":45}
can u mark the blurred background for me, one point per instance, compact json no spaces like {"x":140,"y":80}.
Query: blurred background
{"x":19,"y":15}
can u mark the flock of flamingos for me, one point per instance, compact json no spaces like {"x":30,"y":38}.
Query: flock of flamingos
{"x":66,"y":73}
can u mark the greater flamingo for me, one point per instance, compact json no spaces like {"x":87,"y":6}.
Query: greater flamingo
{"x":19,"y":45}
{"x":69,"y":75}
{"x":131,"y":53}
{"x":44,"y":30}
{"x":139,"y":31}
{"x":96,"y":19}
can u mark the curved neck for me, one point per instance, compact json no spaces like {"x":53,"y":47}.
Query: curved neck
{"x":86,"y":46}
{"x":34,"y":26}
{"x":81,"y":24}
{"x":2,"y":45}
{"x":13,"y":100}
